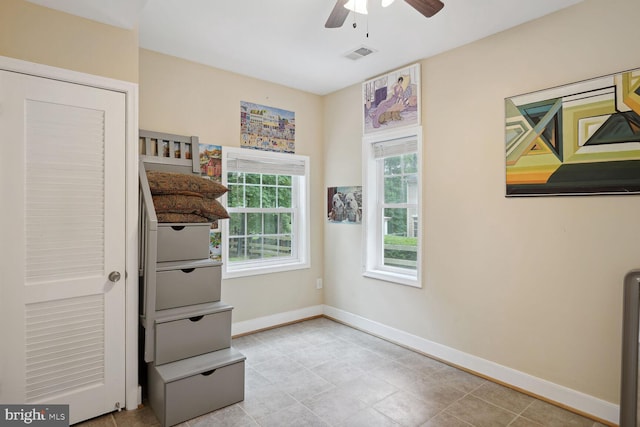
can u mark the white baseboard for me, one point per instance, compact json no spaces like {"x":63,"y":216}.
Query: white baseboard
{"x":253,"y":325}
{"x":553,"y":392}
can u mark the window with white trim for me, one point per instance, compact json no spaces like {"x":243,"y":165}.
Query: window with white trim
{"x":392,"y":224}
{"x":268,"y":205}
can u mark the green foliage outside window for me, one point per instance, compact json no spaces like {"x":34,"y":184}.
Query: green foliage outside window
{"x":263,"y":229}
{"x":400,"y":243}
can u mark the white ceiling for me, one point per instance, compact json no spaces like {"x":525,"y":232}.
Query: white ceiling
{"x":285,"y":42}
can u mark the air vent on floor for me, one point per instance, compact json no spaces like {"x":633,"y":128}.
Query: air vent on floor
{"x":360,"y":52}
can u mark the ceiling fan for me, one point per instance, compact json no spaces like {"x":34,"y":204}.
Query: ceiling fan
{"x":341,"y":9}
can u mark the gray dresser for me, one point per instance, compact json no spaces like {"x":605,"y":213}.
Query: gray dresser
{"x":191,"y":367}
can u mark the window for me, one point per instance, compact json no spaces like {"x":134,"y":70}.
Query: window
{"x":392,"y":190}
{"x":268,"y":228}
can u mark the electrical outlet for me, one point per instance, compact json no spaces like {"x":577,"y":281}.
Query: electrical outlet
{"x":318,"y":283}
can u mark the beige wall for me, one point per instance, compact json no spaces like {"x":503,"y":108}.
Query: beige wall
{"x":182,"y":97}
{"x":534,"y":284}
{"x":45,"y":36}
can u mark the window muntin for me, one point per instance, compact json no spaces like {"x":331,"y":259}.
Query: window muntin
{"x":261,"y":210}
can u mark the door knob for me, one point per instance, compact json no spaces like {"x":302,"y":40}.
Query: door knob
{"x":114,"y":276}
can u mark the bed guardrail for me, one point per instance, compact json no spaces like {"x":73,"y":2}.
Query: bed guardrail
{"x":169,"y":149}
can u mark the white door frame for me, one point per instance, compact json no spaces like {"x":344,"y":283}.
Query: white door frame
{"x":131,"y":276}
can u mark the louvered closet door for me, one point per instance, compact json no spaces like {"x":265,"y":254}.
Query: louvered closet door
{"x":62,"y":183}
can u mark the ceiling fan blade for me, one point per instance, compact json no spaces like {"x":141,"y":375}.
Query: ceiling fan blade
{"x":426,"y":7}
{"x":338,"y":15}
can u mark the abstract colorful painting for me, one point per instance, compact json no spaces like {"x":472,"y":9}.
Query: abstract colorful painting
{"x":344,"y":204}
{"x":582,"y":138}
{"x":392,"y":100}
{"x":267,"y":128}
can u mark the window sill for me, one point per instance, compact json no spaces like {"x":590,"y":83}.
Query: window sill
{"x":401,"y":279}
{"x":256,"y":270}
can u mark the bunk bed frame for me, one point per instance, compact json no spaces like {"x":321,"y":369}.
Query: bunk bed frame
{"x":191,"y":367}
{"x":168,"y":153}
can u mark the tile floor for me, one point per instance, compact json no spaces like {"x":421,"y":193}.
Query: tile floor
{"x":322,"y":373}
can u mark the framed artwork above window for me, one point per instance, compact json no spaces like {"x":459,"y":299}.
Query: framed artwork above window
{"x":392,"y":101}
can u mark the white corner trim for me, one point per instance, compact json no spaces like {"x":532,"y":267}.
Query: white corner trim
{"x":537,"y":386}
{"x":278,"y":319}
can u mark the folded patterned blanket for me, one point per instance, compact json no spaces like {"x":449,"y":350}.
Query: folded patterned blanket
{"x":177,"y":217}
{"x":181,"y":197}
{"x":187,"y":204}
{"x":185,"y":184}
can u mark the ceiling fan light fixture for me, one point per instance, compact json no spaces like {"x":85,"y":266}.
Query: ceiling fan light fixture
{"x":357,"y":6}
{"x":386,"y":3}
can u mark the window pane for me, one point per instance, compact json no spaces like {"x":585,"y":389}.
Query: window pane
{"x":284,"y":244}
{"x":236,"y":224}
{"x":237,"y":249}
{"x":269,"y":179}
{"x":284,"y":180}
{"x":269,"y":197}
{"x":232,"y":177}
{"x":410,"y":163}
{"x":254,"y":249}
{"x":400,"y":243}
{"x":252,"y":178}
{"x":271,"y":223}
{"x":235,"y":196}
{"x":252,"y":196}
{"x":270,"y":248}
{"x":285,"y":223}
{"x":392,"y":165}
{"x":395,"y":189}
{"x":284,"y":197}
{"x":254,"y":223}
{"x":395,"y":221}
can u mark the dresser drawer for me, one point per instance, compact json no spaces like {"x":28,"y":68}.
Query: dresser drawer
{"x":178,"y":242}
{"x":189,"y":388}
{"x":194,"y":284}
{"x":190,"y":336}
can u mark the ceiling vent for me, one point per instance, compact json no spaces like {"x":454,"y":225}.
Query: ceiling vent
{"x":360,"y":52}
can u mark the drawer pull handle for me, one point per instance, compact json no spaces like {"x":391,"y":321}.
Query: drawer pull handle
{"x":196,"y":318}
{"x":206,"y":374}
{"x":187,"y":270}
{"x":178,"y":227}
